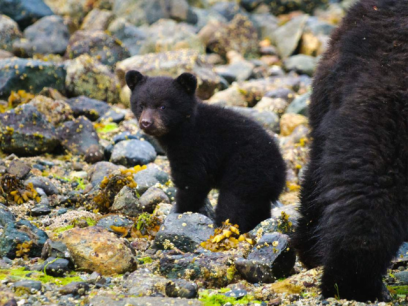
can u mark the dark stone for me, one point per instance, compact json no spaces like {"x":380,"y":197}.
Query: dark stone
{"x":153,"y":141}
{"x":30,"y":286}
{"x":90,"y":108}
{"x":97,"y":44}
{"x":37,"y":75}
{"x":185,"y":231}
{"x":25,"y":131}
{"x":49,"y":35}
{"x":130,"y":153}
{"x":101,"y":169}
{"x":41,"y":209}
{"x":25,"y":12}
{"x":56,"y":267}
{"x":79,"y":137}
{"x":43,"y":183}
{"x":6,"y":216}
{"x":124,"y":136}
{"x":281,"y":93}
{"x":151,"y":198}
{"x":74,"y":288}
{"x":270,"y":259}
{"x":131,"y":36}
{"x":300,"y":105}
{"x":114,"y":220}
{"x":55,"y":249}
{"x":19,"y":168}
{"x":227,"y":9}
{"x":127,"y":203}
{"x":113,"y":115}
{"x":182,"y":288}
{"x":236,"y":294}
{"x":18,"y":232}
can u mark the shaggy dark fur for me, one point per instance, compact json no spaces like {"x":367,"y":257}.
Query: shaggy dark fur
{"x":209,"y":147}
{"x":354,"y":199}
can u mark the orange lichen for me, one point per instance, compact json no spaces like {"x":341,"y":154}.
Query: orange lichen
{"x":13,"y":190}
{"x":23,"y":248}
{"x":225,"y":237}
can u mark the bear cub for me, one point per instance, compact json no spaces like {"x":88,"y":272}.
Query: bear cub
{"x":209,"y":147}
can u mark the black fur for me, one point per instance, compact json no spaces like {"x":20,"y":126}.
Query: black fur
{"x":354,"y":199}
{"x":211,"y":147}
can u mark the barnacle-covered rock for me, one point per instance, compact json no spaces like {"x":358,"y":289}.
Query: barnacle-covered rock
{"x":90,"y":108}
{"x":26,"y":131}
{"x":97,"y":44}
{"x":86,"y":76}
{"x":56,"y":111}
{"x":30,"y":75}
{"x":9,"y":32}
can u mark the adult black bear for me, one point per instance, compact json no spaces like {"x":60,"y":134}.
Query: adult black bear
{"x":354,"y":198}
{"x":209,"y":147}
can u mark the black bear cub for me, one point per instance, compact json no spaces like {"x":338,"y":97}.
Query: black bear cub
{"x":209,"y":147}
{"x":354,"y":199}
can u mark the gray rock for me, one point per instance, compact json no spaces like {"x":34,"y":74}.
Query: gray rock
{"x":276,"y":105}
{"x":227,"y":9}
{"x":24,"y":12}
{"x":144,"y":283}
{"x":74,"y":288}
{"x":98,"y":44}
{"x":19,"y":232}
{"x":281,"y":93}
{"x":127,"y":203}
{"x":55,"y":249}
{"x":79,"y":137}
{"x":142,"y":301}
{"x":9,"y":32}
{"x":133,"y":152}
{"x":151,"y":198}
{"x":25,"y":131}
{"x":56,"y":266}
{"x":6,"y":216}
{"x":49,"y":35}
{"x":19,"y":168}
{"x":303,"y":64}
{"x":270,"y":259}
{"x":402,"y":277}
{"x":97,"y":20}
{"x":402,"y":254}
{"x":300,"y":105}
{"x":287,"y":37}
{"x":30,"y":286}
{"x":90,"y":108}
{"x":41,"y":209}
{"x":207,"y":210}
{"x":237,"y":71}
{"x":38,"y":74}
{"x":181,"y":288}
{"x":43,"y":183}
{"x":266,"y":24}
{"x":131,"y":36}
{"x":99,"y":170}
{"x":268,"y":120}
{"x":114,"y":220}
{"x":184,"y":231}
{"x":149,"y":177}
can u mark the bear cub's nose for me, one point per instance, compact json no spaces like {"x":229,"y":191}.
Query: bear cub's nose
{"x":145,"y":123}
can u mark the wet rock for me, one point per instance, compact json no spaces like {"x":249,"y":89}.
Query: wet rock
{"x":181,"y":288}
{"x":132,"y":37}
{"x":168,"y":35}
{"x":29,"y":286}
{"x":97,"y":20}
{"x":56,"y":266}
{"x":300,"y":105}
{"x":37,"y":75}
{"x":142,"y":301}
{"x":97,"y":44}
{"x":239,"y":35}
{"x":74,"y":288}
{"x":303,"y":64}
{"x":268,"y":120}
{"x":56,"y":111}
{"x":133,"y":152}
{"x":145,"y":283}
{"x":184,"y":231}
{"x":127,"y":203}
{"x":150,"y":139}
{"x":98,"y":171}
{"x":172,"y":64}
{"x":90,"y":108}
{"x":402,"y":254}
{"x":49,"y":35}
{"x":95,"y":249}
{"x":55,"y":249}
{"x":43,"y":183}
{"x":15,"y":234}
{"x":151,"y":198}
{"x":79,"y":137}
{"x":41,"y":209}
{"x":19,"y":168}
{"x":291,"y":121}
{"x":113,"y":115}
{"x":114,"y":220}
{"x":211,"y":269}
{"x":150,"y":177}
{"x":86,"y":76}
{"x":9,"y":32}
{"x":25,"y":131}
{"x":24,"y":12}
{"x":270,"y":259}
{"x":287,"y":37}
{"x":6,"y":216}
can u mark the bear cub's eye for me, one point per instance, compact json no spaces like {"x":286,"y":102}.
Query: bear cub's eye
{"x":162,"y":107}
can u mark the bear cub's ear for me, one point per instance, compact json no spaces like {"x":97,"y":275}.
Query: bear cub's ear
{"x":132,"y":78}
{"x":188,"y":82}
